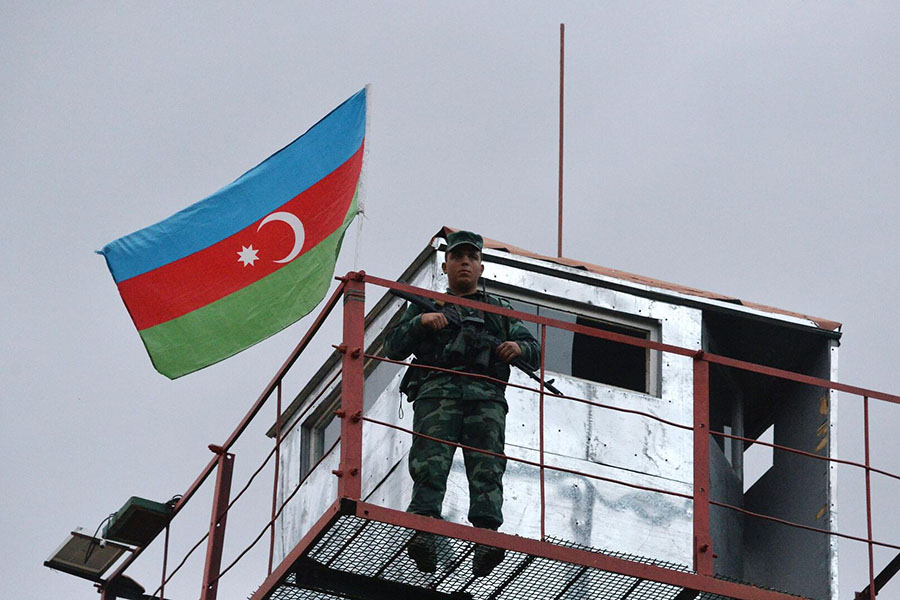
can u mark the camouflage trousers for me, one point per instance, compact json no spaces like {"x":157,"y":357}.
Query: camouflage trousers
{"x":476,"y":423}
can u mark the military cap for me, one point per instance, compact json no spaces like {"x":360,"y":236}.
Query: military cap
{"x":459,"y":238}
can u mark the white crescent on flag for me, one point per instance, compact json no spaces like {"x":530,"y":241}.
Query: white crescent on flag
{"x":294,"y":222}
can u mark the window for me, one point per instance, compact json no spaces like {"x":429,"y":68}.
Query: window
{"x":323,"y":428}
{"x":593,"y":358}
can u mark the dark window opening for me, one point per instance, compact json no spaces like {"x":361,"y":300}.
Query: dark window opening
{"x":592,"y":358}
{"x":610,"y":362}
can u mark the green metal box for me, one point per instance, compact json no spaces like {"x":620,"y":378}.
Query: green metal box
{"x":138,"y":522}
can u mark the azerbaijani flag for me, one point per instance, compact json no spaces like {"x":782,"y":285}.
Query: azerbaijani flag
{"x":253,"y":258}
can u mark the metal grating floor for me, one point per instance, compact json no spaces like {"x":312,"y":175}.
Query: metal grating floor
{"x":360,"y":558}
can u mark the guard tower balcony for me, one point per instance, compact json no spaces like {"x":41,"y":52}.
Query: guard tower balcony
{"x":636,"y":483}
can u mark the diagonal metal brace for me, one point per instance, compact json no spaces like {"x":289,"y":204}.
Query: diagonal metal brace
{"x":888,"y":572}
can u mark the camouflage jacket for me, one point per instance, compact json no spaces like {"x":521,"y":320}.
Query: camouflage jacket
{"x":445,"y":349}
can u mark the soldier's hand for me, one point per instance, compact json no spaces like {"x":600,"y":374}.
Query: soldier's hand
{"x":508,"y":352}
{"x":434,"y":321}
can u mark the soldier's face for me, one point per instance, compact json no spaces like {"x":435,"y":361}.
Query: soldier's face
{"x":463,"y":268}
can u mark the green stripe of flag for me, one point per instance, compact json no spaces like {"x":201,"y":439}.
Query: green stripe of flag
{"x":250,"y":315}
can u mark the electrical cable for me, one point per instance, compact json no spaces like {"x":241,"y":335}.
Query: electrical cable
{"x":90,"y":548}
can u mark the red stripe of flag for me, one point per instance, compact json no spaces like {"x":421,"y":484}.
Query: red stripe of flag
{"x":198,"y":279}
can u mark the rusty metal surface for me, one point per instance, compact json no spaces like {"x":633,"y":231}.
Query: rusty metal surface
{"x":218,"y":522}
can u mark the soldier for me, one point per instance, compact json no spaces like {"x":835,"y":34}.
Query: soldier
{"x":458,"y":408}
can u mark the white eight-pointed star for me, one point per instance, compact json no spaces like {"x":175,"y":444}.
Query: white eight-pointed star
{"x":247,"y":255}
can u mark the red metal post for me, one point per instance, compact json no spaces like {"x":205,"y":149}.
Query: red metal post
{"x":869,"y":498}
{"x":217,"y":523}
{"x":703,"y":554}
{"x":245,"y":422}
{"x":543,"y":379}
{"x":349,"y":472}
{"x":162,"y":586}
{"x":277,"y":467}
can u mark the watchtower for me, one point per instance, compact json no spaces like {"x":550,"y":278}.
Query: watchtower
{"x":654,"y":476}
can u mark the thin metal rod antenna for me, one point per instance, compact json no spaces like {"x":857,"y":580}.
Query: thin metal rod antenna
{"x":562,"y":64}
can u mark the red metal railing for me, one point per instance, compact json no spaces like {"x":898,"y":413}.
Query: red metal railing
{"x":703,"y":555}
{"x":209,"y":573}
{"x":349,"y":471}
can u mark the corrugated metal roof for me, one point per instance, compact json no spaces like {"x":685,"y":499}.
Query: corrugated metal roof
{"x":824,"y":324}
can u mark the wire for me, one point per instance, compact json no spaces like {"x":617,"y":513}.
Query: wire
{"x":529,"y":462}
{"x":183,"y":560}
{"x":297,"y":420}
{"x":531,"y":389}
{"x":804,"y":453}
{"x":93,"y":544}
{"x":806,"y":527}
{"x":277,"y":514}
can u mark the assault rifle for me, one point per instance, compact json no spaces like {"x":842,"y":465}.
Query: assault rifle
{"x":429,"y":306}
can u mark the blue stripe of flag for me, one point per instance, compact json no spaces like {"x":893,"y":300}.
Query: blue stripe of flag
{"x":296,"y":167}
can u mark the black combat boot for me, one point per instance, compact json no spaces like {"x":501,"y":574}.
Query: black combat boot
{"x":421,"y":551}
{"x":485,"y":559}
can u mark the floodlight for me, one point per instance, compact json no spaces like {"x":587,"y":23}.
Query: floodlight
{"x":85,"y":556}
{"x":138,"y":522}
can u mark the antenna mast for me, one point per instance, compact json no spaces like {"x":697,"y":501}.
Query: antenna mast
{"x":562,"y":55}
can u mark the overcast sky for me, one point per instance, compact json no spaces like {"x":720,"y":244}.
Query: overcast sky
{"x":751,"y":149}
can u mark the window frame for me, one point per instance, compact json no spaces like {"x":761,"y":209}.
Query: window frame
{"x":652,"y":327}
{"x":312,"y":430}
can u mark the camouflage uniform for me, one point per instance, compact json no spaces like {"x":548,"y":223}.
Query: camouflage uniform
{"x":467,"y":410}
